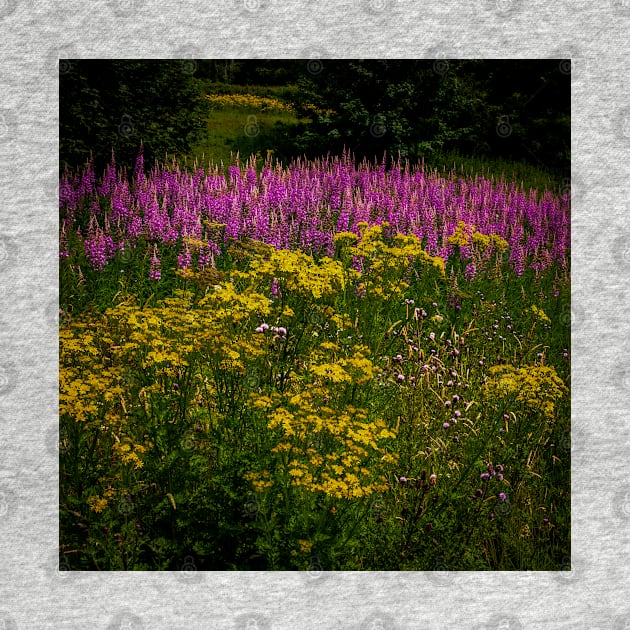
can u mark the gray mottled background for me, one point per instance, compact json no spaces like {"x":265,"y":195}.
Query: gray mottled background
{"x":35,"y":593}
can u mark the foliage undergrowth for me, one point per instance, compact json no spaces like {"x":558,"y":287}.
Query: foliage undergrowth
{"x":281,"y":411}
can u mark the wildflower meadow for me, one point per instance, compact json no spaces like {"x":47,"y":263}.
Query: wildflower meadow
{"x":323,"y":364}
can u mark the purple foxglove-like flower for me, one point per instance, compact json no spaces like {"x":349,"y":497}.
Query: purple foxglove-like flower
{"x":155,"y":271}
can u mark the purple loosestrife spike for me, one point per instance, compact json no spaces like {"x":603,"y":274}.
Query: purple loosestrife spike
{"x":155,"y":271}
{"x":306,"y":203}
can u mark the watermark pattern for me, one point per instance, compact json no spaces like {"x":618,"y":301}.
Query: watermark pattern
{"x":620,"y":248}
{"x":53,"y":192}
{"x":441,"y":574}
{"x":57,"y":440}
{"x":621,"y":503}
{"x":252,"y":621}
{"x":252,"y":128}
{"x":252,"y":7}
{"x":125,"y":620}
{"x":440,"y":55}
{"x":59,"y":60}
{"x":57,"y":566}
{"x":252,"y":381}
{"x":189,"y":66}
{"x":506,"y":8}
{"x":569,"y":571}
{"x":7,"y":7}
{"x":623,"y":123}
{"x":440,"y":66}
{"x":315,"y":571}
{"x":188,"y":441}
{"x":126,"y":127}
{"x":574,"y":443}
{"x":503,"y":622}
{"x":571,"y":62}
{"x":8,"y":377}
{"x":572,"y":187}
{"x":378,"y":128}
{"x":187,"y":56}
{"x":315,"y":318}
{"x":379,"y":620}
{"x":8,"y":126}
{"x":8,"y":502}
{"x":504,"y":128}
{"x":189,"y":572}
{"x":125,"y":8}
{"x":565,"y":441}
{"x":621,"y":622}
{"x":6,"y":621}
{"x":503,"y":508}
{"x":126,"y":505}
{"x":55,"y":316}
{"x":572,"y":313}
{"x":376,"y":6}
{"x":314,"y":60}
{"x":66,"y":66}
{"x":621,"y":374}
{"x":621,"y":7}
{"x":250,"y":505}
{"x":314,"y":66}
{"x":8,"y":254}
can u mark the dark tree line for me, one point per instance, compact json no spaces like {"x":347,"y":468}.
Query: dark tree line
{"x":518,"y":110}
{"x":512,"y":109}
{"x":116,"y":105}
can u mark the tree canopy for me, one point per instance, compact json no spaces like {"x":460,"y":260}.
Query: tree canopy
{"x":116,"y":105}
{"x":512,"y":109}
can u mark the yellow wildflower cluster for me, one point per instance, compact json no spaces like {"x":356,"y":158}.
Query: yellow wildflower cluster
{"x":305,"y":546}
{"x":297,"y":272}
{"x":346,"y":238}
{"x":265,"y":104}
{"x":540,"y":314}
{"x":129,"y":453}
{"x":98,"y":503}
{"x":499,"y":243}
{"x":309,"y":108}
{"x":260,"y":480}
{"x":249,"y":100}
{"x":343,"y":454}
{"x":88,"y":383}
{"x":354,"y":369}
{"x":386,"y":265}
{"x":537,"y":387}
{"x":466,"y":234}
{"x":177,"y":331}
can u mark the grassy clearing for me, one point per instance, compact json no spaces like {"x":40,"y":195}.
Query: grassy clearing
{"x":249,"y":130}
{"x":246,"y":129}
